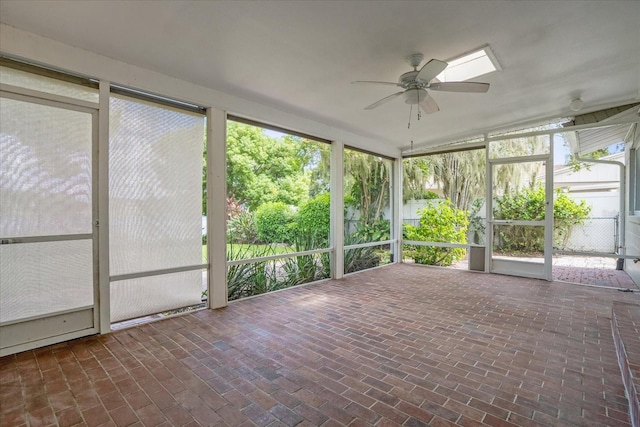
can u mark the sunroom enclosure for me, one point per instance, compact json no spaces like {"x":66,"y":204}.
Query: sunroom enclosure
{"x":115,"y":197}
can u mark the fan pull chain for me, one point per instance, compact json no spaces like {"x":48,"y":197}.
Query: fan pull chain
{"x":410,"y":112}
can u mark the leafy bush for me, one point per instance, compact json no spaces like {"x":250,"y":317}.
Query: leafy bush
{"x":273,"y":222}
{"x":244,"y":280}
{"x":439,"y":222}
{"x":476,"y":222}
{"x":313,"y":223}
{"x":259,"y":277}
{"x":242,"y":228}
{"x":429,"y":195}
{"x":359,"y":258}
{"x":529,"y":205}
{"x":373,"y":232}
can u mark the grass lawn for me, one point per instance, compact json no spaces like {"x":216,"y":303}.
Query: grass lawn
{"x":252,"y":251}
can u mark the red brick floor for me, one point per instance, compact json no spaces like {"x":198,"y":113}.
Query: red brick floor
{"x":400,"y":345}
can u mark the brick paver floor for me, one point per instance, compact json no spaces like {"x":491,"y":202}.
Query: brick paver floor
{"x":593,"y":271}
{"x":598,"y":271}
{"x":399,"y":345}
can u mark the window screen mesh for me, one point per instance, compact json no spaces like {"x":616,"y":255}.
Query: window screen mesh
{"x":27,"y":80}
{"x":45,"y":170}
{"x":44,"y":278}
{"x":155,"y":294}
{"x":155,"y":205}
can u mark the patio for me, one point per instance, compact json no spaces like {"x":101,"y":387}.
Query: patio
{"x":399,"y":345}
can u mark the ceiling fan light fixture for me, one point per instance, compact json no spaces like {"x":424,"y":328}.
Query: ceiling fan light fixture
{"x":576,"y":104}
{"x":414,"y":96}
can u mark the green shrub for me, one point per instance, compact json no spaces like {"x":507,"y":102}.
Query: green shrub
{"x":242,"y":228}
{"x":359,"y":258}
{"x":439,"y":222}
{"x":429,"y":195}
{"x":259,"y":277}
{"x":374,"y":232}
{"x":529,"y":205}
{"x":312,"y":223}
{"x":273,"y":223}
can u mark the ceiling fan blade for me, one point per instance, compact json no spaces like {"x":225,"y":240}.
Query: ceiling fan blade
{"x":460,"y":87}
{"x":375,"y":83}
{"x":431,"y":69}
{"x":428,"y":104}
{"x":383,"y":100}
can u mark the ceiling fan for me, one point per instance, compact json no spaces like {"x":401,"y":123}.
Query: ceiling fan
{"x":415,"y":84}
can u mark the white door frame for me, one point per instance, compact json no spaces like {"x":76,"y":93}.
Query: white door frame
{"x":51,"y":328}
{"x":519,"y":267}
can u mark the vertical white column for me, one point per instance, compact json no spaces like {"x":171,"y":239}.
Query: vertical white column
{"x":216,"y":207}
{"x":104,"y":285}
{"x":396,"y":212}
{"x":488,"y":202}
{"x":337,"y":209}
{"x":548,"y":214}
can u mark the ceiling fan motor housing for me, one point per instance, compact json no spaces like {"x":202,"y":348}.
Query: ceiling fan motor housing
{"x":408,"y":79}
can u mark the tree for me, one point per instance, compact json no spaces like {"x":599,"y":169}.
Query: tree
{"x":461,"y":176}
{"x":262,"y":169}
{"x":367,"y":180}
{"x":575,"y":164}
{"x":415,"y":177}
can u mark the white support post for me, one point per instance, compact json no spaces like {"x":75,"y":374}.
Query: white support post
{"x":548,"y":214}
{"x":488,"y":202}
{"x":104,"y":285}
{"x":396,"y":213}
{"x":216,"y":208}
{"x":337,"y":209}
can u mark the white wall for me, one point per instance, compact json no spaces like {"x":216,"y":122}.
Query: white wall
{"x":603,"y":203}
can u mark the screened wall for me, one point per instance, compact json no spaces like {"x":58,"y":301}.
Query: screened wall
{"x":444,"y":207}
{"x":109,"y":196}
{"x":278,"y":209}
{"x":155,"y":207}
{"x":367,"y":193}
{"x":47,"y":209}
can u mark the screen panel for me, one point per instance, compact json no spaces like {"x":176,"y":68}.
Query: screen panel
{"x":44,"y":278}
{"x":45,"y":164}
{"x":146,"y":295}
{"x":155,"y":205}
{"x":24,"y":79}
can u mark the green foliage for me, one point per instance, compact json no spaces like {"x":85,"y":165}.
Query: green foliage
{"x":313,"y":221}
{"x":373,"y":232}
{"x":261,"y":169}
{"x":367,"y":184}
{"x":429,"y":195}
{"x":439,"y":222}
{"x":460,"y":176}
{"x":359,"y":258}
{"x":576,"y":165}
{"x":244,"y":280}
{"x":242,"y":228}
{"x":529,"y":205}
{"x":273,"y":223}
{"x":415,"y":176}
{"x":476,"y":222}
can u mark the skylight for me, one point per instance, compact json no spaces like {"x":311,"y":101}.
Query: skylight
{"x":470,"y":65}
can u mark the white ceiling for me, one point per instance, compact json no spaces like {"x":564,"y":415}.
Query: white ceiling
{"x":300,"y":56}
